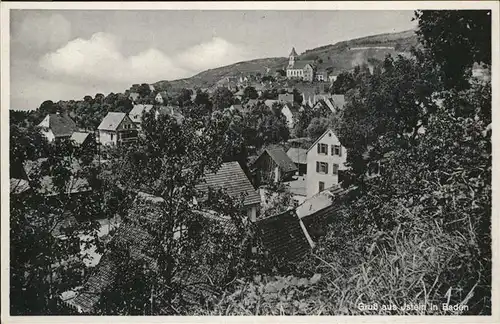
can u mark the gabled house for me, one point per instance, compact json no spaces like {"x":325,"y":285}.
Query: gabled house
{"x":321,"y":75}
{"x":116,"y":129}
{"x":57,"y":127}
{"x":325,"y":158}
{"x":84,"y":140}
{"x":133,"y":96}
{"x":303,"y":70}
{"x":136,"y":114}
{"x":333,"y":102}
{"x":290,"y":112}
{"x":273,"y":165}
{"x":299,"y":157}
{"x":231,"y":178}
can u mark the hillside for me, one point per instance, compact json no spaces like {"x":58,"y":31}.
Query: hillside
{"x":341,"y":56}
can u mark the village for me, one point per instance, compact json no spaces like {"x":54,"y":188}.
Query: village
{"x":310,"y":169}
{"x":321,"y":182}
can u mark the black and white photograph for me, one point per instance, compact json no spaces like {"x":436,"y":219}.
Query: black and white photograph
{"x":224,"y":160}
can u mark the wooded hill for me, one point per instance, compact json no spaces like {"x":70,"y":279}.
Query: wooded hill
{"x":341,"y":56}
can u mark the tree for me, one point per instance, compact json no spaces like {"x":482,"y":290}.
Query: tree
{"x":144,"y":90}
{"x":184,"y":97}
{"x":343,"y":83}
{"x":297,"y":97}
{"x":264,"y":126}
{"x":49,"y":235}
{"x":222,"y":98}
{"x":317,"y":127}
{"x":468,"y":41}
{"x":250,"y":93}
{"x":182,"y":240}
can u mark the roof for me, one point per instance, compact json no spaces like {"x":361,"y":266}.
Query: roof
{"x":321,"y":200}
{"x":79,"y":137}
{"x":297,"y":155}
{"x":112,"y":121}
{"x":283,"y":236}
{"x":333,"y":102}
{"x":270,"y":102}
{"x":293,"y":109}
{"x":293,"y":52}
{"x":61,"y":125}
{"x":282,"y":160}
{"x":233,"y":180}
{"x":297,"y":186}
{"x":286,"y":97}
{"x":297,"y":65}
{"x":18,"y":186}
{"x":136,"y":113}
{"x":133,"y":95}
{"x":173,"y":111}
{"x":252,"y":102}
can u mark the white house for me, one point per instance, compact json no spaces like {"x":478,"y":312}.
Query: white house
{"x":290,"y":112}
{"x":136,"y":114}
{"x":324,"y":160}
{"x":117,"y":128}
{"x":57,"y":126}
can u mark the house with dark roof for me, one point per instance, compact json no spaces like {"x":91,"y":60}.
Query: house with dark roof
{"x":232,"y":179}
{"x":273,"y":165}
{"x":57,"y":126}
{"x":299,"y":157}
{"x":116,"y":129}
{"x":285,"y":98}
{"x":84,"y":140}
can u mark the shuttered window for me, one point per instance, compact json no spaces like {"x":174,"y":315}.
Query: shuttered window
{"x":337,"y":150}
{"x":322,"y":148}
{"x":322,"y":167}
{"x":335,"y":168}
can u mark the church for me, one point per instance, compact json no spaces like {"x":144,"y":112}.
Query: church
{"x":300,"y":69}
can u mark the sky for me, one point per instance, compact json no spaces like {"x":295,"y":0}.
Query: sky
{"x":67,"y":54}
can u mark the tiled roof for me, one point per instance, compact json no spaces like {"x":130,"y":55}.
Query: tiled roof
{"x":18,"y":186}
{"x":281,"y":158}
{"x":59,"y":124}
{"x":283,"y":236}
{"x":233,"y":180}
{"x":136,"y":113}
{"x":111,"y":121}
{"x":297,"y":155}
{"x":79,"y":137}
{"x":321,"y":201}
{"x":297,"y":65}
{"x":270,"y":102}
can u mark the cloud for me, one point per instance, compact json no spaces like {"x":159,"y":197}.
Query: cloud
{"x":100,"y":58}
{"x":41,"y":31}
{"x":215,"y":53}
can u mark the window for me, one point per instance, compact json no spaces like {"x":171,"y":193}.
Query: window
{"x":321,"y":186}
{"x":322,"y":167}
{"x":111,"y":136}
{"x":335,"y":168}
{"x":322,"y":148}
{"x":337,"y":150}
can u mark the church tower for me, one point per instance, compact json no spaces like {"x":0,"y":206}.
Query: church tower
{"x":291,"y":57}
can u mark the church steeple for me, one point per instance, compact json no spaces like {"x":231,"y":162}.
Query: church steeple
{"x":291,"y":57}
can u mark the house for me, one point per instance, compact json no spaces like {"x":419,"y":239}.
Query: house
{"x":334,"y":102}
{"x":303,"y":70}
{"x":332,"y":78}
{"x":152,"y":88}
{"x":136,"y":114}
{"x":325,"y":158}
{"x":83,"y":140}
{"x":133,"y":96}
{"x":57,"y":126}
{"x":321,"y":75}
{"x":116,"y":129}
{"x":172,"y":111}
{"x":290,"y":111}
{"x":285,"y":98}
{"x":231,"y":178}
{"x":273,"y":165}
{"x":299,"y":157}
